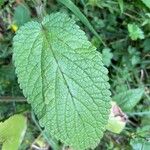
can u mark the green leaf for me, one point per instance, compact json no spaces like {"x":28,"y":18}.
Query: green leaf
{"x":93,"y":2}
{"x":135,"y":32}
{"x":140,"y":144}
{"x":128,"y":99}
{"x":121,"y":5}
{"x":144,"y":131}
{"x":22,"y":14}
{"x":146,"y":45}
{"x":146,"y":2}
{"x":107,"y":56}
{"x":141,"y":141}
{"x":12,"y":132}
{"x":63,"y":77}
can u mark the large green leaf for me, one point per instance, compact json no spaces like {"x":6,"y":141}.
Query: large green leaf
{"x":63,"y":78}
{"x":12,"y":132}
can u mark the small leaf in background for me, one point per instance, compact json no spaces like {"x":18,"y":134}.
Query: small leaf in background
{"x":22,"y":15}
{"x":135,"y":60}
{"x":146,"y":19}
{"x":12,"y":132}
{"x":141,"y":142}
{"x":121,"y":87}
{"x":134,"y":55}
{"x":117,"y":119}
{"x":145,"y":119}
{"x":128,"y":99}
{"x":146,"y":2}
{"x":146,"y":45}
{"x":93,"y":2}
{"x":144,"y":131}
{"x":107,"y":55}
{"x":121,"y":5}
{"x":135,"y":32}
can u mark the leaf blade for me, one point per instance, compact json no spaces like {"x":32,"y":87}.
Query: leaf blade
{"x":128,"y":99}
{"x":61,"y":87}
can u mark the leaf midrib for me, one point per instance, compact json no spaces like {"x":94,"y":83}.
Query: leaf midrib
{"x":60,"y":71}
{"x":72,"y":97}
{"x":45,"y":34}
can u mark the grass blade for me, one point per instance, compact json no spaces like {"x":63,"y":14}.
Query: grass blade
{"x":121,"y":5}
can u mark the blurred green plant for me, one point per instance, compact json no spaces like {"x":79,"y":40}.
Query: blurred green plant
{"x":12,"y":132}
{"x":21,"y":15}
{"x":135,"y":32}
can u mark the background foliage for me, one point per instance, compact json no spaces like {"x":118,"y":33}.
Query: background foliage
{"x":124,"y":27}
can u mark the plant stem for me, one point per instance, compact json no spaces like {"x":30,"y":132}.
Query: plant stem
{"x":8,"y":99}
{"x":139,"y":113}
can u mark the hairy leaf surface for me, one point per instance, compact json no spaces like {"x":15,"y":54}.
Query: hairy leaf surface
{"x":63,"y":78}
